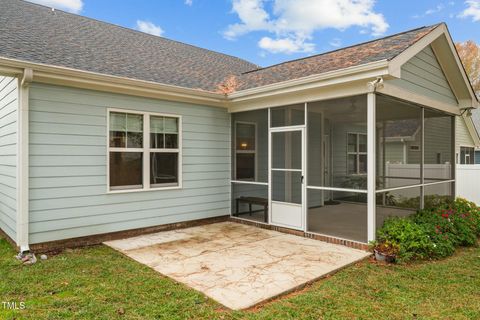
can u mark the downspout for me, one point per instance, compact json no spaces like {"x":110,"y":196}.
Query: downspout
{"x":22,"y":161}
{"x":371,"y":157}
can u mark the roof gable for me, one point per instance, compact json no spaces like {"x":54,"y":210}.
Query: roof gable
{"x":443,"y":49}
{"x":423,"y":74}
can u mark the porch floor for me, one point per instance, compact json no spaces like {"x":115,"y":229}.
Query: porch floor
{"x":235,"y":264}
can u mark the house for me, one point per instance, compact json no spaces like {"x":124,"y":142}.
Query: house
{"x":107,"y":132}
{"x":476,"y":122}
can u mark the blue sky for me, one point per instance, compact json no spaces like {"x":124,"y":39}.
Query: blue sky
{"x":271,"y":31}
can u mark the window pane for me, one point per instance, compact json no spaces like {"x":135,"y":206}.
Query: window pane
{"x":157,"y":140}
{"x":117,"y":139}
{"x":245,"y":136}
{"x":156,"y":124}
{"x":352,"y":164}
{"x":118,"y":121}
{"x":362,"y":143}
{"x":352,"y":142}
{"x":362,"y":163}
{"x":293,"y":115}
{"x":118,"y":126}
{"x":126,"y":130}
{"x":171,"y":125}
{"x":163,"y":168}
{"x":134,"y":123}
{"x":245,"y":166}
{"x":134,"y":139}
{"x":126,"y":170}
{"x":259,"y":118}
{"x":329,"y":142}
{"x":398,"y":126}
{"x":171,"y":141}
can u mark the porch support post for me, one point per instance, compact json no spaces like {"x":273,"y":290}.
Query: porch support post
{"x":371,"y":184}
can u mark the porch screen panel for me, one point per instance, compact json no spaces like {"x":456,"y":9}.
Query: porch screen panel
{"x":337,"y":214}
{"x":337,"y":143}
{"x":293,"y":115}
{"x":439,"y":155}
{"x":249,"y":187}
{"x":250,"y":146}
{"x":399,"y":143}
{"x":397,"y":203}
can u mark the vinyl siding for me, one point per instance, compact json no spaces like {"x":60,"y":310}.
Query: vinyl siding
{"x":8,"y":155}
{"x":68,"y":178}
{"x":423,"y":75}
{"x":463,"y":136}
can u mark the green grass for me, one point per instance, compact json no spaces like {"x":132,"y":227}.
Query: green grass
{"x":97,"y":282}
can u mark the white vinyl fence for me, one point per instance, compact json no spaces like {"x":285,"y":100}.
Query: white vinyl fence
{"x":468,"y":182}
{"x":397,"y":171}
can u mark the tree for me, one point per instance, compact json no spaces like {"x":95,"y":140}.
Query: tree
{"x":470,"y":54}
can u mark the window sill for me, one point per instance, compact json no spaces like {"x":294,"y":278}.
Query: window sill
{"x":144,"y":190}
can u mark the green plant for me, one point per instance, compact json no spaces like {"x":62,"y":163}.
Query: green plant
{"x":434,"y":232}
{"x":412,"y":239}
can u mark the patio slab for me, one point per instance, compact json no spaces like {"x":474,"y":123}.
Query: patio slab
{"x":235,"y":264}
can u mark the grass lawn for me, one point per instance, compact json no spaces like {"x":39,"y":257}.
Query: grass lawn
{"x":99,"y":283}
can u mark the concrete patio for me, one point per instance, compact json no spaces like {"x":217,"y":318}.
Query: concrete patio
{"x":237,"y":265}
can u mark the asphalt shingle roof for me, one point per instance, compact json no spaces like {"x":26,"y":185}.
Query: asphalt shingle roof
{"x":34,"y":33}
{"x":377,"y":50}
{"x":37,"y":34}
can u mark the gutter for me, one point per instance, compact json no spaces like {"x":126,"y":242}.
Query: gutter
{"x":85,"y":79}
{"x":22,"y":161}
{"x":364,"y":71}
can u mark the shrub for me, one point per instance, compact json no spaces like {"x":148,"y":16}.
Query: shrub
{"x":435,"y":232}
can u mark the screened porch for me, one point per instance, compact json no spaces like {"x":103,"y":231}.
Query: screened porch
{"x":340,"y":167}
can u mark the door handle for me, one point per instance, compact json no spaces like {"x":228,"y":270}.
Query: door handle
{"x":301,"y":180}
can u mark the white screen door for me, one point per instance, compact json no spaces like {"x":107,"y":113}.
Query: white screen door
{"x":287,"y":178}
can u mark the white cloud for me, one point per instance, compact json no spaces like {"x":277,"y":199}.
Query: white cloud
{"x":472,"y":10}
{"x":189,"y":2}
{"x":74,"y":6}
{"x":285,"y":45}
{"x":149,"y":27}
{"x":294,"y":21}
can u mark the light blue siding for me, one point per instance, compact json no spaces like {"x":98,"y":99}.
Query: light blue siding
{"x":8,"y":155}
{"x":423,"y":75}
{"x":68,"y":163}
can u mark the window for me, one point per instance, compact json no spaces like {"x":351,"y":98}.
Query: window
{"x":467,"y":155}
{"x":245,"y":150}
{"x":144,"y":151}
{"x":356,"y":153}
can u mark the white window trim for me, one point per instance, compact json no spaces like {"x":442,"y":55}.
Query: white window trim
{"x":146,"y":152}
{"x":246,"y":151}
{"x":460,"y":154}
{"x":357,"y":153}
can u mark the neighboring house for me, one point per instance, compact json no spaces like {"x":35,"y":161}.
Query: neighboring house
{"x":107,"y":132}
{"x":476,"y":123}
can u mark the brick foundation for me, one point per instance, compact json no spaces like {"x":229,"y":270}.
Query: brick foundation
{"x":60,"y":245}
{"x":329,"y":239}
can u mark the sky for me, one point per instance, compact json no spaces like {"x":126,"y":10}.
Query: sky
{"x":267,"y":32}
